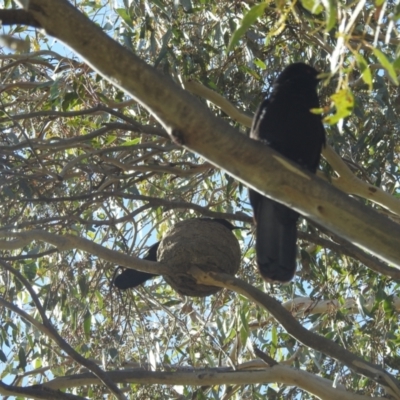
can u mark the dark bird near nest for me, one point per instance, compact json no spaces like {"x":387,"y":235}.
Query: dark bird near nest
{"x":284,"y":122}
{"x":131,"y":278}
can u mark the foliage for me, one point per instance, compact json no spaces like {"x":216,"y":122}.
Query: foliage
{"x":80,"y":157}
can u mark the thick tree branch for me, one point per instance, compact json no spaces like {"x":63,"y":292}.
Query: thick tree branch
{"x":193,"y":125}
{"x":320,"y":387}
{"x":18,"y":17}
{"x":69,"y":242}
{"x":346,"y":181}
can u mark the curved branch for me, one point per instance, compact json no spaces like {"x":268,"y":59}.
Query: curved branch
{"x":36,"y":392}
{"x":148,"y":129}
{"x":341,"y":246}
{"x":320,"y":387}
{"x":226,"y":106}
{"x":69,"y":242}
{"x":295,"y":329}
{"x":347,"y":181}
{"x":190,"y":123}
{"x":29,"y":256}
{"x":19,"y":17}
{"x":304,"y":306}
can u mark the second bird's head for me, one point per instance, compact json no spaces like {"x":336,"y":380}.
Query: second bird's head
{"x":298,"y":72}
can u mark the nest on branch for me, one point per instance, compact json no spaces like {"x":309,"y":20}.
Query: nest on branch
{"x":208,"y":245}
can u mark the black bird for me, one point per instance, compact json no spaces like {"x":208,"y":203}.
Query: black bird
{"x":131,"y":278}
{"x":284,"y":122}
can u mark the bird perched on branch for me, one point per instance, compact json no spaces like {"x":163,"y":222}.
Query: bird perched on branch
{"x":131,"y":278}
{"x":284,"y":122}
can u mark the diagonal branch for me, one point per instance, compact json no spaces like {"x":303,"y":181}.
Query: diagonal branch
{"x":19,"y":17}
{"x":192,"y":124}
{"x":346,"y":180}
{"x":295,"y":329}
{"x":70,"y":242}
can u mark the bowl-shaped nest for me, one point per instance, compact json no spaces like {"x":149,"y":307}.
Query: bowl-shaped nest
{"x":208,"y":245}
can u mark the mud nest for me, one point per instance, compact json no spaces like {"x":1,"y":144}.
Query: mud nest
{"x":207,"y":245}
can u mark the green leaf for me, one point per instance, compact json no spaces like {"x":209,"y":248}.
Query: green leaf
{"x":38,"y":363}
{"x":110,"y":139}
{"x":83,"y":286}
{"x":314,"y":6}
{"x":344,"y":104}
{"x":164,"y":48}
{"x":125,"y":16}
{"x":386,"y":64}
{"x":99,"y":299}
{"x":243,"y":335}
{"x":113,"y":352}
{"x":70,"y":100}
{"x":30,"y":270}
{"x":259,"y":63}
{"x":22,"y":358}
{"x":250,"y":71}
{"x":159,"y":4}
{"x":3,"y":357}
{"x":396,"y":15}
{"x":388,"y":306}
{"x":87,"y":323}
{"x":396,"y":63}
{"x":244,"y":331}
{"x":171,"y":303}
{"x":365,"y":71}
{"x":330,"y":14}
{"x":131,"y":142}
{"x":243,"y":318}
{"x":248,"y":20}
{"x":274,"y":341}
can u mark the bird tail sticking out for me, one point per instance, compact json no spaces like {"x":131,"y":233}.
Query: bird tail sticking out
{"x":131,"y":278}
{"x":276,"y":236}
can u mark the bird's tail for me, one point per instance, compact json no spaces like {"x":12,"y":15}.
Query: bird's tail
{"x":276,"y":236}
{"x":131,"y":278}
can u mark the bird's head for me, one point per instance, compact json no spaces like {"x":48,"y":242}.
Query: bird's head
{"x":298,"y":72}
